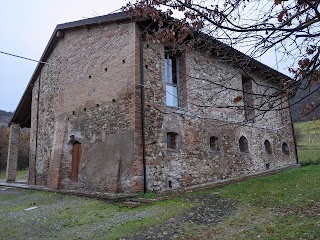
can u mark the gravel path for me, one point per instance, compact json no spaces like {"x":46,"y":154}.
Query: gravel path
{"x":59,"y":216}
{"x":209,"y":209}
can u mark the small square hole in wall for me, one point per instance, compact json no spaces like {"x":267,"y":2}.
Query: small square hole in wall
{"x":147,"y":45}
{"x":73,"y":112}
{"x":106,"y":69}
{"x":98,"y":105}
{"x":146,"y":66}
{"x":84,"y":109}
{"x":89,"y":76}
{"x":267,"y":166}
{"x":170,"y":184}
{"x":123,"y":61}
{"x":214,"y":143}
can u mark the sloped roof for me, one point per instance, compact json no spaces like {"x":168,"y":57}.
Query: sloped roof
{"x":22,"y":115}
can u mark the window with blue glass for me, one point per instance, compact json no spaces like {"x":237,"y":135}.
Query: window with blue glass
{"x":171,"y":64}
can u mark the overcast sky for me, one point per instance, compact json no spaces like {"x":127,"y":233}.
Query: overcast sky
{"x":26,"y":27}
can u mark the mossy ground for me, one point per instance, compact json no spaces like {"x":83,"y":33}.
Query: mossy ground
{"x":283,"y":206}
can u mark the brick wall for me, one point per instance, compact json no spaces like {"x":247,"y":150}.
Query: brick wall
{"x":87,"y":94}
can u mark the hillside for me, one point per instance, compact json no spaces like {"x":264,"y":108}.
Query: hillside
{"x":308,"y":140}
{"x":5,"y":117}
{"x":308,"y":95}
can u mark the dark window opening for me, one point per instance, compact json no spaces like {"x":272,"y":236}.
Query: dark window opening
{"x":248,"y":99}
{"x":267,"y":147}
{"x":285,"y":148}
{"x":267,"y":166}
{"x":170,"y":184}
{"x":243,"y":145}
{"x":171,"y":77}
{"x":172,"y":140}
{"x":214,"y":143}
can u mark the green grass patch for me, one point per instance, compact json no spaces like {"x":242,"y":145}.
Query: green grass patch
{"x":2,"y":175}
{"x":308,"y":125}
{"x":283,"y":206}
{"x":308,"y":155}
{"x":310,"y":162}
{"x":21,"y":175}
{"x":308,"y":141}
{"x":147,"y":195}
{"x":70,"y":217}
{"x":290,"y":187}
{"x":172,"y":206}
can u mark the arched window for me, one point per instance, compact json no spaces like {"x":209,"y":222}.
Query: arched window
{"x":285,"y":148}
{"x":76,"y":156}
{"x":267,"y":147}
{"x":243,"y":145}
{"x":172,"y":140}
{"x":214,"y":143}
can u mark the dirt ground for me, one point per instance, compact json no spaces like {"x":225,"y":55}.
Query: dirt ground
{"x":27,"y":214}
{"x":208,"y":210}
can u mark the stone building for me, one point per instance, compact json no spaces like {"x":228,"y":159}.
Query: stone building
{"x":111,"y":112}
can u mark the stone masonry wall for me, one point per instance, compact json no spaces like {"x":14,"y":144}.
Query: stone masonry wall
{"x":87,"y":95}
{"x":199,"y":118}
{"x":90,"y":93}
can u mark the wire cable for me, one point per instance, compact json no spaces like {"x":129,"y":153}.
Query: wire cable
{"x":25,"y":58}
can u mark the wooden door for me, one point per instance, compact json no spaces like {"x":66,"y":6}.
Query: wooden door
{"x":76,"y":155}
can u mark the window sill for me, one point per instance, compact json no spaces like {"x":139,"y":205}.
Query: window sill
{"x":177,"y":109}
{"x":213,"y":153}
{"x":244,"y":153}
{"x":171,"y":151}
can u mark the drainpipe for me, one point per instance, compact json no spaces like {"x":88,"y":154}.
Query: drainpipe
{"x":142,"y":97}
{"x":294,"y":139}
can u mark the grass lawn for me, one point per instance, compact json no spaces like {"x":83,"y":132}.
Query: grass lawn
{"x":283,"y":206}
{"x":308,"y":144}
{"x":21,"y":175}
{"x":70,"y":217}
